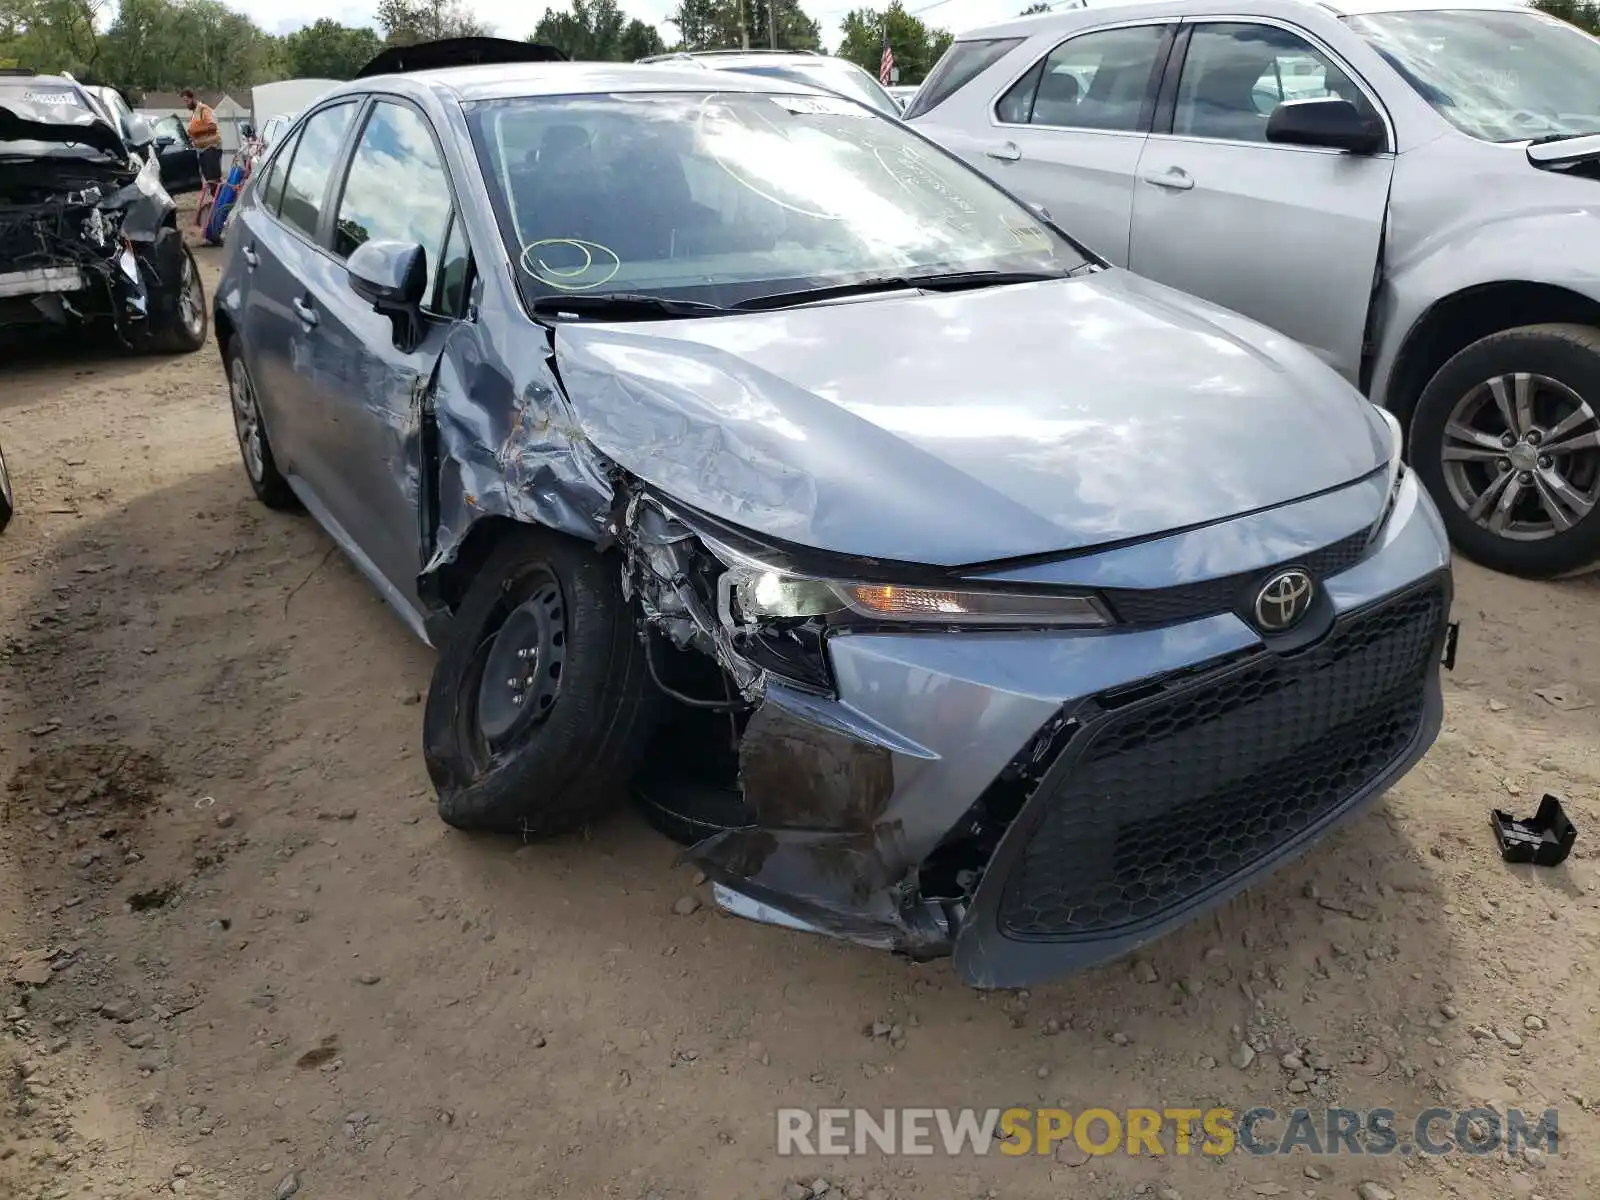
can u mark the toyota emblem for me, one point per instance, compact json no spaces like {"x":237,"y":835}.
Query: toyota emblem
{"x":1283,"y":600}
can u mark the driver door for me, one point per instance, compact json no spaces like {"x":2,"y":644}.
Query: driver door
{"x":180,"y":164}
{"x":369,"y":392}
{"x":1288,"y":235}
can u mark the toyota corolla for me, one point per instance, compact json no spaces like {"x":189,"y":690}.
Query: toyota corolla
{"x":944,"y":588}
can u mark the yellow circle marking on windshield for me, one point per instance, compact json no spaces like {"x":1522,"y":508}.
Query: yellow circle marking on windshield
{"x":562,"y":280}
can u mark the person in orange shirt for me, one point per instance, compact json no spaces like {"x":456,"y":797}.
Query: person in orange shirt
{"x":204,"y":135}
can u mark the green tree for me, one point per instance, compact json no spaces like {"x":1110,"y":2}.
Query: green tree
{"x":407,"y":22}
{"x":1039,"y":7}
{"x":597,"y":31}
{"x":326,"y":49}
{"x":52,"y":35}
{"x":916,"y":47}
{"x":1585,"y":15}
{"x":731,"y":24}
{"x":145,"y":44}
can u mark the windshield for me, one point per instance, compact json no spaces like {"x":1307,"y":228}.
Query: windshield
{"x":1499,"y":76}
{"x":723,"y":197}
{"x":835,"y":74}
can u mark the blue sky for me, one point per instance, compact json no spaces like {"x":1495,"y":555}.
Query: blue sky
{"x":516,"y":18}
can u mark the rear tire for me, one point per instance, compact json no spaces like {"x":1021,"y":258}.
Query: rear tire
{"x":1516,"y":413}
{"x":543,"y":742}
{"x":255,"y":450}
{"x":7,"y":498}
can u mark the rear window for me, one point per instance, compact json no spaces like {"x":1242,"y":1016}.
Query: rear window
{"x":961,"y":64}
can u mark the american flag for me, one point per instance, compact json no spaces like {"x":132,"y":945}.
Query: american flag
{"x":886,"y":62}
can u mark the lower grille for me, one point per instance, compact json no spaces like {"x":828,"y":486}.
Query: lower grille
{"x":1174,"y":796}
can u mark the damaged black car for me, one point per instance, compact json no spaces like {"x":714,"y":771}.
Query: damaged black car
{"x":944,"y":588}
{"x":88,"y":236}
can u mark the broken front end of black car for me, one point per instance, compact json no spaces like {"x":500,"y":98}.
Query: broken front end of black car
{"x":88,"y":236}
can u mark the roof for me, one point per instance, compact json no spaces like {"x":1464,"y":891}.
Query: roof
{"x":160,"y":101}
{"x":499,"y":82}
{"x":1074,"y":18}
{"x":755,"y":54}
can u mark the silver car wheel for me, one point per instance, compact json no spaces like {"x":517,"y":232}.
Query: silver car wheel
{"x":1522,"y":456}
{"x":191,"y":306}
{"x":246,"y":420}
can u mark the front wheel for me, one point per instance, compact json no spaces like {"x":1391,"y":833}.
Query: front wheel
{"x":178,"y":318}
{"x":1507,"y":440}
{"x":540,"y":707}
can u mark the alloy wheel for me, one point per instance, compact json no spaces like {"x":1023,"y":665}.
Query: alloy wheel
{"x":247,"y":420}
{"x":1521,"y":456}
{"x":191,"y":300}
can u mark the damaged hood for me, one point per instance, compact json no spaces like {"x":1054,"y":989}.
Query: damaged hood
{"x":54,"y":110}
{"x":975,"y":426}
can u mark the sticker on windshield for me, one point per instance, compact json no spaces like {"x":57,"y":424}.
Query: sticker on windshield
{"x":818,"y":106}
{"x":1030,"y":237}
{"x":54,"y":98}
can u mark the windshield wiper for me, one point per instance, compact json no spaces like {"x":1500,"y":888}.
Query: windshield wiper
{"x":622,"y":306}
{"x":949,"y":281}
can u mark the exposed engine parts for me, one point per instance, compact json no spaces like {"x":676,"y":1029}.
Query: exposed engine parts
{"x":676,"y":581}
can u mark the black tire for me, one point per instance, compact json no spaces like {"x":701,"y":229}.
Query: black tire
{"x":1569,"y":357}
{"x":7,"y":498}
{"x":557,"y":765}
{"x":178,"y":319}
{"x":260,"y":467}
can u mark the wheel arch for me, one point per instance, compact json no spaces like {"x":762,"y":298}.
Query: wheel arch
{"x":1455,"y":321}
{"x":443,"y":583}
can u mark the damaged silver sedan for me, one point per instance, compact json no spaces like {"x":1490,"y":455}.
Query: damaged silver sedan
{"x":944,"y":588}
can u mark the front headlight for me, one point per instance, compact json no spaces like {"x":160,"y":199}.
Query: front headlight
{"x":1396,"y":472}
{"x":757,"y":592}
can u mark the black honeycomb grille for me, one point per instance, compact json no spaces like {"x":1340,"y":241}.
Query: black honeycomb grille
{"x":1176,"y":796}
{"x":1190,"y":601}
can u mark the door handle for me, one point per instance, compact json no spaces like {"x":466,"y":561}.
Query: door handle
{"x":1175,"y":178}
{"x":1006,"y":152}
{"x":250,"y":257}
{"x":307,"y":314}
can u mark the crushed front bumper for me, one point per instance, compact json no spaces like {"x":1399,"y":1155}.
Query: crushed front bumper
{"x":1036,"y":802}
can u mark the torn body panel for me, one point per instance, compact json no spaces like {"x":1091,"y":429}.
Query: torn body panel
{"x":493,"y":449}
{"x":80,"y":241}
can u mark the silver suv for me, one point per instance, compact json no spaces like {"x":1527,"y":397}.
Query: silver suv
{"x":1408,"y":188}
{"x":838,"y":75}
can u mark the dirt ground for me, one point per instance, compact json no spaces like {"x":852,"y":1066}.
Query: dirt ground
{"x":240,"y":956}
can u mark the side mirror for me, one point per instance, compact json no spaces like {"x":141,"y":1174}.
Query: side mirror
{"x":1327,"y":121}
{"x":165,"y":141}
{"x":393,"y":278}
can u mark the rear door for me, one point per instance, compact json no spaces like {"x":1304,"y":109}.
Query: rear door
{"x":396,"y":188}
{"x":1069,"y":131}
{"x":278,"y":244}
{"x":1288,"y":235}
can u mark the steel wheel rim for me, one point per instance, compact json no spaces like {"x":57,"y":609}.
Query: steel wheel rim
{"x":523,"y":659}
{"x":247,"y":420}
{"x":1521,"y":456}
{"x":189,"y":302}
